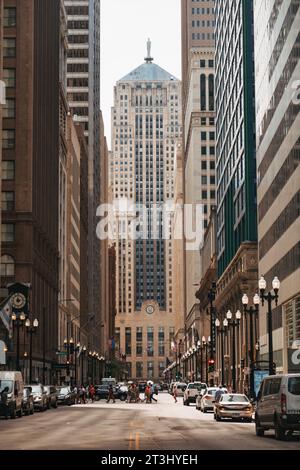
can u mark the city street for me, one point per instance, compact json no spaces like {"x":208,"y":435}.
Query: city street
{"x":122,"y":426}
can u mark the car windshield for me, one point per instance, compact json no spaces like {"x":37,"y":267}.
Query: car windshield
{"x":294,"y":385}
{"x":6,"y":383}
{"x":234,"y":399}
{"x":64,"y":391}
{"x":211,"y":392}
{"x":181,"y":385}
{"x":200,"y":385}
{"x":193,"y":386}
{"x":36,"y":389}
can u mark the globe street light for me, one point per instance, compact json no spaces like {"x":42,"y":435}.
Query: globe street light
{"x":18,"y":322}
{"x":221,"y":332}
{"x":269,"y":297}
{"x":31,"y":330}
{"x":234,"y":323}
{"x":252,"y":311}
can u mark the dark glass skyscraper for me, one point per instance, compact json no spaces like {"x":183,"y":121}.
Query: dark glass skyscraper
{"x":235,"y":128}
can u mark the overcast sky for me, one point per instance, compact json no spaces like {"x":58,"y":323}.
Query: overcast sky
{"x":126,"y":26}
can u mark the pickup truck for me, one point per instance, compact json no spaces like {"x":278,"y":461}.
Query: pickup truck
{"x":192,"y":391}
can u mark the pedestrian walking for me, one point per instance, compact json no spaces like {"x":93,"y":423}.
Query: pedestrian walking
{"x":92,"y":392}
{"x":148,"y":394}
{"x":219,"y":393}
{"x":82,"y":394}
{"x":110,"y":394}
{"x":175,"y":393}
{"x":4,"y":399}
{"x":152,"y":393}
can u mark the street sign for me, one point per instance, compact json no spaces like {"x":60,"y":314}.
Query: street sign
{"x":294,"y":360}
{"x":61,"y":353}
{"x":259,"y":375}
{"x":59,"y":366}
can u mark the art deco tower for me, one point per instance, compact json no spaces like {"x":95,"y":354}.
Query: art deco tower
{"x":146,"y":123}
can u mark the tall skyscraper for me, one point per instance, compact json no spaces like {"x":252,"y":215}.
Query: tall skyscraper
{"x":235,"y":136}
{"x":83,"y":86}
{"x":236,"y":164}
{"x":146,"y":125}
{"x":30,"y":165}
{"x":198,"y":75}
{"x":277,"y":47}
{"x":197,"y":31}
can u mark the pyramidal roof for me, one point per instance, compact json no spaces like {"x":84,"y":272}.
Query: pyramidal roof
{"x":149,"y":71}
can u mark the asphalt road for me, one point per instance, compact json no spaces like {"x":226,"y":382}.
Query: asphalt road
{"x":121,"y":426}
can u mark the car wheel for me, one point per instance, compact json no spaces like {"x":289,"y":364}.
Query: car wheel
{"x":259,"y":431}
{"x":122,"y":398}
{"x":187,"y":403}
{"x":204,"y":410}
{"x":218,"y":418}
{"x":279,"y":431}
{"x":13,"y":413}
{"x":55,"y":404}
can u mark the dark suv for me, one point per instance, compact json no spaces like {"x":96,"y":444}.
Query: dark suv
{"x":51,"y":396}
{"x":102,"y":393}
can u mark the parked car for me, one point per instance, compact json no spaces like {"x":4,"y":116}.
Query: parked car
{"x":28,"y":403}
{"x":157,"y":388}
{"x":278,"y":405}
{"x":51,"y":396}
{"x":191,"y":392}
{"x":205,"y":401}
{"x":13,"y":382}
{"x":234,"y":406}
{"x":39,"y":397}
{"x":180,"y":387}
{"x":66,"y":396}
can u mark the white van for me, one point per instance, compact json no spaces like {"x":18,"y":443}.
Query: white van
{"x":278,"y":405}
{"x":14,"y":382}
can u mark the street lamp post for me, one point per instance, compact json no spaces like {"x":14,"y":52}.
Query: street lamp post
{"x":69,"y":347}
{"x":31,"y":330}
{"x":211,"y":298}
{"x":83,"y":354}
{"x":77,"y":349}
{"x":206,"y":345}
{"x":234,"y":323}
{"x":222,"y":331}
{"x":18,"y":322}
{"x":269,"y":297}
{"x":253,"y":313}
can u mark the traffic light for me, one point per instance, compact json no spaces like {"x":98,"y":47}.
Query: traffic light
{"x":211,"y":365}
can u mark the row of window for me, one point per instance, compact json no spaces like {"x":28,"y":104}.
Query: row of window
{"x":203,"y":36}
{"x":202,"y":11}
{"x":203,"y":23}
{"x":141,"y":372}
